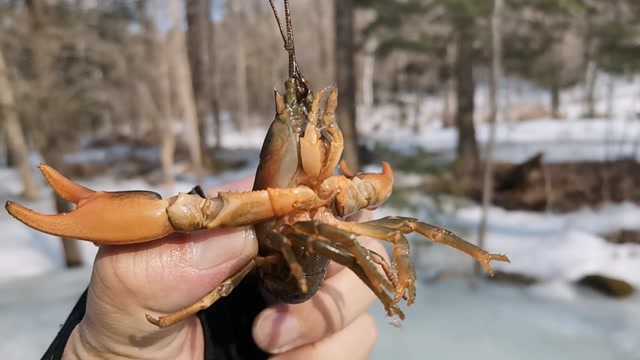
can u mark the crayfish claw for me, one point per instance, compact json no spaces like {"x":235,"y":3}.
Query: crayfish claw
{"x":65,"y":188}
{"x":105,"y":218}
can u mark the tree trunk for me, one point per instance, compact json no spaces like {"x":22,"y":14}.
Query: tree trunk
{"x":40,"y":68}
{"x":213,"y":67}
{"x":346,"y":79}
{"x":611,"y":92}
{"x":159,"y":80}
{"x":198,"y":45}
{"x":555,"y":100}
{"x":70,"y":247}
{"x":163,"y":90}
{"x":15,"y":137}
{"x":10,"y":158}
{"x":590,"y":89}
{"x":494,"y":102}
{"x":181,"y":83}
{"x":368,"y":71}
{"x":467,"y":148}
{"x":323,"y":18}
{"x":242,"y":92}
{"x":591,"y":69}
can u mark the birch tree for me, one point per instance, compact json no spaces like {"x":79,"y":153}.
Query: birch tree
{"x":494,"y":103}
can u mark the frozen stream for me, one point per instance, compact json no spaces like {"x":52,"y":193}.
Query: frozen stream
{"x":450,"y":320}
{"x":553,"y":321}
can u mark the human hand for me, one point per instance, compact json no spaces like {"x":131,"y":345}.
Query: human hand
{"x":164,"y":276}
{"x":333,"y":324}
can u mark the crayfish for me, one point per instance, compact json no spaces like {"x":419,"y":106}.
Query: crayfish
{"x":298,"y":207}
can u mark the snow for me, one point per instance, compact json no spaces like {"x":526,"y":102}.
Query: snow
{"x":563,"y":246}
{"x":550,"y":247}
{"x":34,"y":308}
{"x":569,"y":139}
{"x":456,"y":320}
{"x":450,"y":319}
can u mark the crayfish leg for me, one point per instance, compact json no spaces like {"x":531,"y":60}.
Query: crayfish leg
{"x":406,"y":276}
{"x":439,"y":235}
{"x":285,"y":247}
{"x":222,"y":290}
{"x":343,"y":248}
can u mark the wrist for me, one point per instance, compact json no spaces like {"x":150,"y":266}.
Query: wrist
{"x":185,"y":341}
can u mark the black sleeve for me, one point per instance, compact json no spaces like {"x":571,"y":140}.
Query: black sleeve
{"x":226,"y":325}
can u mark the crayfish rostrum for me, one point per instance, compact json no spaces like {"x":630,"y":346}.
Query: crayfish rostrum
{"x":298,"y":206}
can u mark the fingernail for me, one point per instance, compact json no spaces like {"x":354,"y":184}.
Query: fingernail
{"x":277,"y":331}
{"x":210,"y":249}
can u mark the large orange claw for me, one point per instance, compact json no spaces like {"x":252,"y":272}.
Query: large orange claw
{"x":105,"y":218}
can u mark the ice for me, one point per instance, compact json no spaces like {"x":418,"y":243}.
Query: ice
{"x":33,"y":309}
{"x":457,"y":321}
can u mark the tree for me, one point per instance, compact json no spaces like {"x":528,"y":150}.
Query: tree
{"x":467,"y":148}
{"x":159,"y":81}
{"x":426,"y":29}
{"x":182,"y":84}
{"x":239,"y":13}
{"x":544,"y":47}
{"x":213,"y":69}
{"x":494,"y":103}
{"x":611,"y":42}
{"x":198,"y":39}
{"x":14,"y":134}
{"x":37,"y":13}
{"x":346,"y":79}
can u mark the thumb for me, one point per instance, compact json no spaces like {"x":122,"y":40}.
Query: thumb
{"x":218,"y":250}
{"x":166,"y":275}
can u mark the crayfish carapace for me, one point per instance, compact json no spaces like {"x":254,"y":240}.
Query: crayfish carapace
{"x":298,"y":207}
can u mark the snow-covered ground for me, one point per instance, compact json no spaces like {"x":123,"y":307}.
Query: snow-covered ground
{"x":551,"y":320}
{"x":452,"y":320}
{"x":610,"y":136}
{"x":549,"y":247}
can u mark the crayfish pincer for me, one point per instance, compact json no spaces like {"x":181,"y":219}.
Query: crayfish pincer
{"x":298,"y":206}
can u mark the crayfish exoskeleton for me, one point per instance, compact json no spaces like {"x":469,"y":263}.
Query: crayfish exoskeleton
{"x":298,"y":207}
